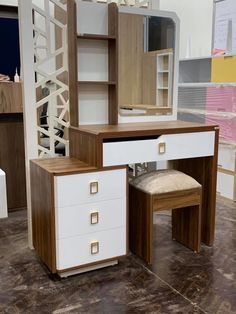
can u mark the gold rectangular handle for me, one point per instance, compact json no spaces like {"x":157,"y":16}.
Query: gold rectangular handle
{"x":93,"y":187}
{"x":94,"y":218}
{"x":95,"y":247}
{"x":162,"y":148}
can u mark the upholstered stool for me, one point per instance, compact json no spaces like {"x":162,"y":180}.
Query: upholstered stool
{"x":164,"y":190}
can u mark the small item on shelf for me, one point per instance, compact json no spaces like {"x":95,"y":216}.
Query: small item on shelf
{"x":16,"y":77}
{"x":4,"y":78}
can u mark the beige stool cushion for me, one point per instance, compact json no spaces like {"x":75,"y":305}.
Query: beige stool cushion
{"x":164,"y":181}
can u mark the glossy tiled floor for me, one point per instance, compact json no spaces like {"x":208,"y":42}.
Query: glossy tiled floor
{"x":179,"y":281}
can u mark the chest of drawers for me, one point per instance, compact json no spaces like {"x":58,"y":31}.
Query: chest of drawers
{"x":81,"y":219}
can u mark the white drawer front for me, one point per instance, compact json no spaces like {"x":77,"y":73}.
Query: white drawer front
{"x":90,"y":217}
{"x":75,"y":189}
{"x":177,"y":146}
{"x":76,"y":251}
{"x":226,"y":185}
{"x":227,"y":157}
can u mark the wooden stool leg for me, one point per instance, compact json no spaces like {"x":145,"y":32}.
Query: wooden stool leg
{"x":140,"y":224}
{"x":186,"y":226}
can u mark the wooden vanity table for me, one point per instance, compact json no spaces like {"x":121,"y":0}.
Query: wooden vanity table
{"x":79,"y":203}
{"x":189,"y":147}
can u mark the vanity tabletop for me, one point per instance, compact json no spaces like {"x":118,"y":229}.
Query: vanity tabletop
{"x":142,"y":129}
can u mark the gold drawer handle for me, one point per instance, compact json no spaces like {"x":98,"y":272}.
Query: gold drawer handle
{"x":95,"y":247}
{"x":162,"y":148}
{"x":94,"y":218}
{"x":93,"y":187}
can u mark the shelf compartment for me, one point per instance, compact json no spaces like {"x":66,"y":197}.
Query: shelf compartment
{"x":162,"y":97}
{"x":163,"y":63}
{"x":163,"y":80}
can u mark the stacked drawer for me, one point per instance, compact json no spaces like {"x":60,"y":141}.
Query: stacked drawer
{"x":90,"y":217}
{"x":226,"y":177}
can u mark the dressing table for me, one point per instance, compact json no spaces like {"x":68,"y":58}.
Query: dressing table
{"x":79,"y":203}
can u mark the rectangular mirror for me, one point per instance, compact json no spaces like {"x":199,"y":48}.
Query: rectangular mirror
{"x":146,"y":64}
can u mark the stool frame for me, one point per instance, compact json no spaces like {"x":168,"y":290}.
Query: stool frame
{"x":186,"y":219}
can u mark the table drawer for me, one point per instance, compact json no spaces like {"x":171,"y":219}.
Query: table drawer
{"x":90,"y":217}
{"x":81,"y":188}
{"x":227,"y":157}
{"x":165,"y":147}
{"x":76,"y":251}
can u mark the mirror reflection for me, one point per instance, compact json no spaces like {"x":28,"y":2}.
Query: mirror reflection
{"x":146,"y":71}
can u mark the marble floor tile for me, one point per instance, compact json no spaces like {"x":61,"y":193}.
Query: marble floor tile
{"x":179,"y":281}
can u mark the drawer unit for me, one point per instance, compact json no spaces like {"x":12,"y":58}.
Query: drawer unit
{"x":89,"y":187}
{"x":227,"y":157}
{"x":90,"y":217}
{"x":226,"y":185}
{"x":165,"y":147}
{"x":79,"y":214}
{"x":78,"y":250}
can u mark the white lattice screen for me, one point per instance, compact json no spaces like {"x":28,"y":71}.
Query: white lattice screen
{"x":51,"y":71}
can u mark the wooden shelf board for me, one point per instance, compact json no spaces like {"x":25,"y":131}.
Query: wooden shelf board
{"x":96,"y":82}
{"x":95,"y":36}
{"x":148,"y":108}
{"x":163,"y":71}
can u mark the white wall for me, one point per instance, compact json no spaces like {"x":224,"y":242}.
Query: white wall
{"x":195,"y":21}
{"x":9,"y":2}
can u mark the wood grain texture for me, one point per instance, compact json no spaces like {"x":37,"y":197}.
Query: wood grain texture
{"x":149,"y":79}
{"x":63,"y":165}
{"x":12,"y":159}
{"x":168,"y":201}
{"x":140,"y":224}
{"x":130,"y":58}
{"x":43,"y":215}
{"x":186,"y":226}
{"x":11,"y":97}
{"x":186,"y":222}
{"x":85,"y":147}
{"x":143,"y":129}
{"x":204,"y":170}
{"x":72,"y":62}
{"x":113,"y":63}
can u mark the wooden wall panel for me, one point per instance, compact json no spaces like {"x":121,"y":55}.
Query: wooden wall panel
{"x":10,"y":97}
{"x":12,"y":159}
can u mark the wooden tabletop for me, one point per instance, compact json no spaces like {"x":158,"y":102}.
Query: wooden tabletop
{"x":143,"y":129}
{"x":63,"y":165}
